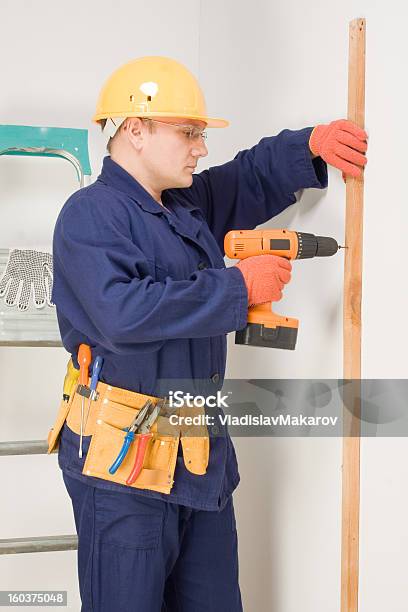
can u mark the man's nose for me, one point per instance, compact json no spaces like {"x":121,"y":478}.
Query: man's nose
{"x":200,"y":148}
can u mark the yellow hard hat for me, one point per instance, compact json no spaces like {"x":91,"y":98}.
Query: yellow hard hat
{"x":153,"y":86}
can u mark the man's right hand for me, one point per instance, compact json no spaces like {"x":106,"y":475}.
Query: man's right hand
{"x":265,"y":277}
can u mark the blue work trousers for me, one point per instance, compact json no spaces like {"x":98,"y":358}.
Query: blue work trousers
{"x":137,"y":554}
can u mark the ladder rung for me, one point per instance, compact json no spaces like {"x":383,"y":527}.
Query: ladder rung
{"x":43,"y":544}
{"x":36,"y":343}
{"x":24,"y":447}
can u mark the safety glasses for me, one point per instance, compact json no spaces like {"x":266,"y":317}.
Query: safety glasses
{"x":192,"y":132}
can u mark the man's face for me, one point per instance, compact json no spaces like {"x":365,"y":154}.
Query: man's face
{"x":170,"y":156}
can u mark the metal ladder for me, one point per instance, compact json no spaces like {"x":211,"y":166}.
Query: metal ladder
{"x":72,"y":145}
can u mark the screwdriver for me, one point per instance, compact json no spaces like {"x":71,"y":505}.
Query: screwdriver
{"x":84,"y":359}
{"x":96,"y":368}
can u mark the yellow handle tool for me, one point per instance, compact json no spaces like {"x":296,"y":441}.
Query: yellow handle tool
{"x":70,"y":381}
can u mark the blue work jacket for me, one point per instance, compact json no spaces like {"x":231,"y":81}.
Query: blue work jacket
{"x":148,"y":289}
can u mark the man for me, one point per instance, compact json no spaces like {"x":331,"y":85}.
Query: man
{"x":139,"y":276}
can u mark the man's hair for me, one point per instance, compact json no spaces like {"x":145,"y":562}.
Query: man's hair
{"x":102,"y":123}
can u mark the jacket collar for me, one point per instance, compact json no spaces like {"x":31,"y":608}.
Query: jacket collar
{"x":117,"y":177}
{"x":181,"y":219}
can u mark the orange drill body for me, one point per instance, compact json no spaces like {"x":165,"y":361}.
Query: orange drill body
{"x":239,"y":244}
{"x":264,"y":327}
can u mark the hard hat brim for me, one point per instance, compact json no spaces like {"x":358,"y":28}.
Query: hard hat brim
{"x":211,"y":122}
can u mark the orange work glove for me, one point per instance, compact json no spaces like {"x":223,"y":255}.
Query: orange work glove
{"x":265,"y":276}
{"x":341,"y":144}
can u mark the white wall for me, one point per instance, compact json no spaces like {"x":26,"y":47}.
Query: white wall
{"x":274,"y":65}
{"x":267,"y":66}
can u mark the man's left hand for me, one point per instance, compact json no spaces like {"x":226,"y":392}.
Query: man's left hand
{"x":341,"y":144}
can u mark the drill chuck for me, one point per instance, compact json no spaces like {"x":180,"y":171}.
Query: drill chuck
{"x":310,"y":246}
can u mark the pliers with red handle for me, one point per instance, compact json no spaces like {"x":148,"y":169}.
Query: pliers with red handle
{"x":130,"y":435}
{"x":144,"y":435}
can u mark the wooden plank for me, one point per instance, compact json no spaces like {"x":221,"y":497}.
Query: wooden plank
{"x":352,"y":334}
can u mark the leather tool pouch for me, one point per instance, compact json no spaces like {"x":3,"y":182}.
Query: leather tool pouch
{"x":110,"y":414}
{"x":53,"y":435}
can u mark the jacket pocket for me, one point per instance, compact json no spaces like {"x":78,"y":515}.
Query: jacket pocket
{"x":134,"y":531}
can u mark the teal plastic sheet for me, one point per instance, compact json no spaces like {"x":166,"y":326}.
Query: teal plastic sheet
{"x":68,"y":143}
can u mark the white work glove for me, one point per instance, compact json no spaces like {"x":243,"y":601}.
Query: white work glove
{"x":27,"y":271}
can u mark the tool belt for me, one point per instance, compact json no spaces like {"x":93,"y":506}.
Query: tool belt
{"x":109,"y":417}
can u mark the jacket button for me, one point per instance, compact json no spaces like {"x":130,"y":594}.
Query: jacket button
{"x":202,"y":265}
{"x":215,"y":378}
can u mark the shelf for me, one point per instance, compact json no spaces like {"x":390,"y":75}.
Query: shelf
{"x":34,"y":327}
{"x":38,"y":327}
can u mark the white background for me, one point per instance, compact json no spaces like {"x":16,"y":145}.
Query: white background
{"x":266,"y":66}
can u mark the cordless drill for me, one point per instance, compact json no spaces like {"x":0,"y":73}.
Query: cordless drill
{"x":264,"y":327}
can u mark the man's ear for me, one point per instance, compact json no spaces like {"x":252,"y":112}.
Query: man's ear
{"x":133,"y":129}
